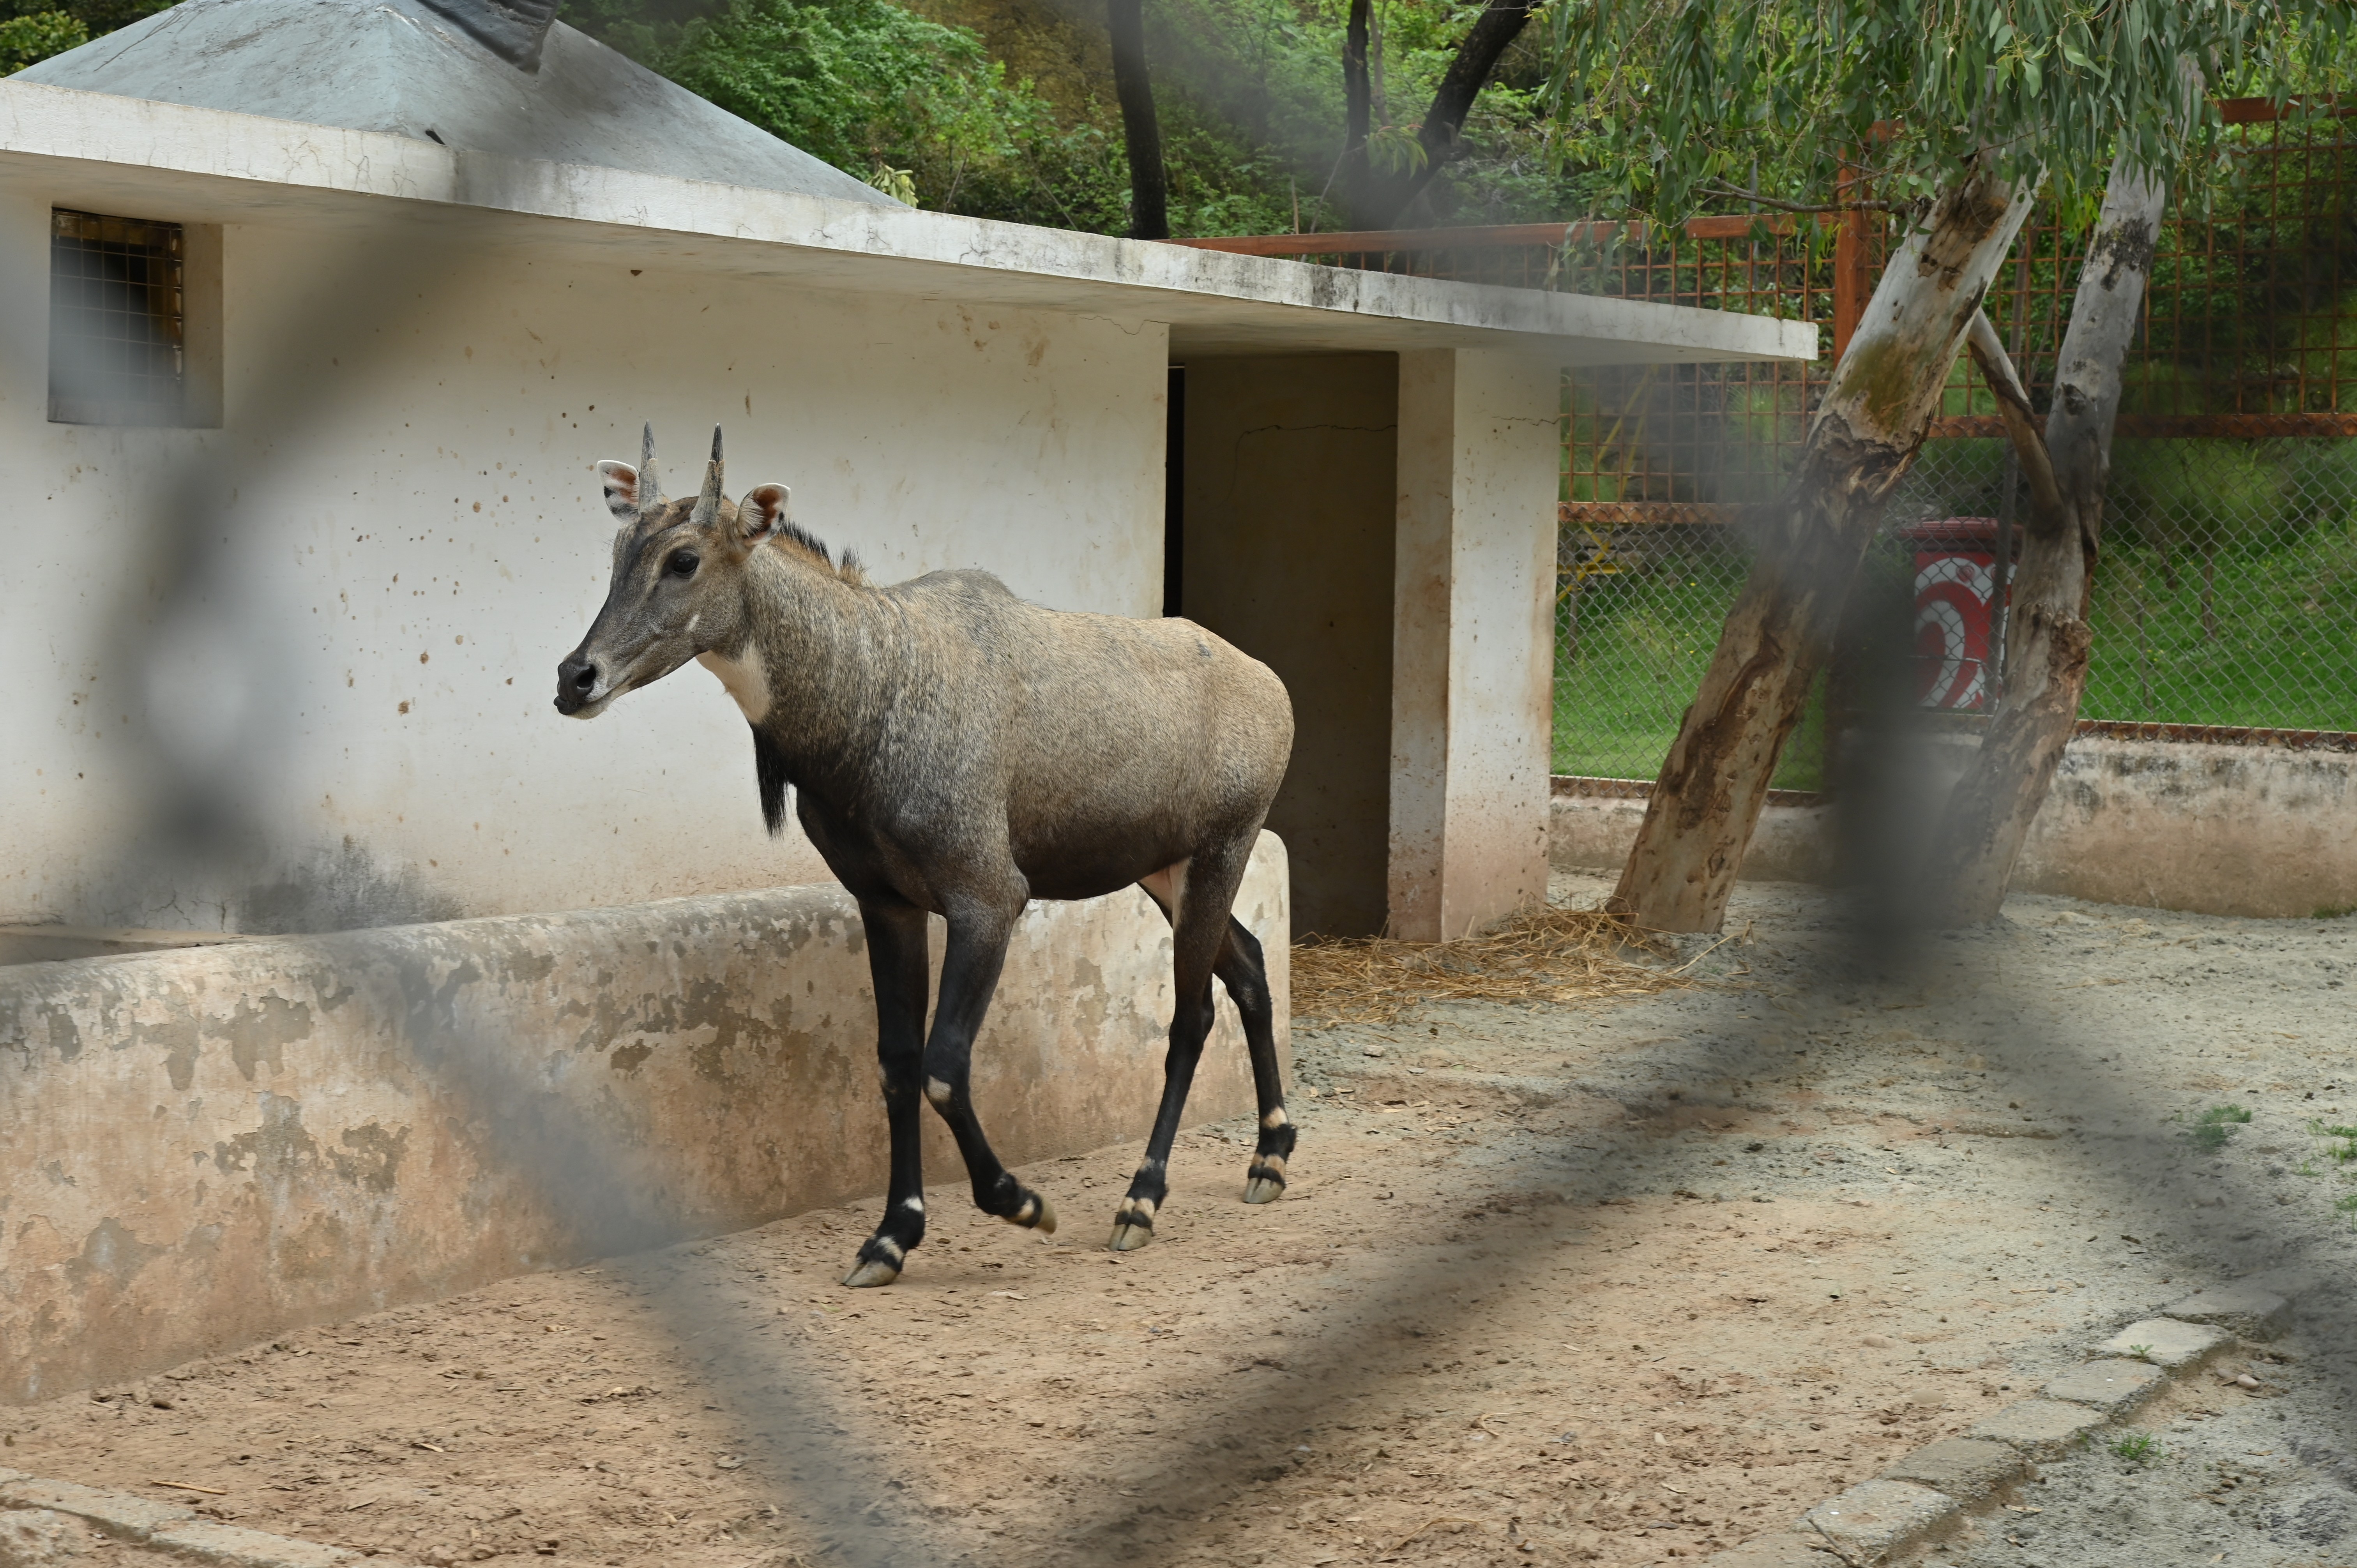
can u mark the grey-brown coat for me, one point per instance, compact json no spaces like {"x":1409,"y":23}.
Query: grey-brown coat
{"x":954,"y":750}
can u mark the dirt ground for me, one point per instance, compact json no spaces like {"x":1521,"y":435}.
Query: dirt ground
{"x":1625,"y":1284}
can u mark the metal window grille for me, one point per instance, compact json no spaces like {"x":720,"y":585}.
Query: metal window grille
{"x":117,"y":319}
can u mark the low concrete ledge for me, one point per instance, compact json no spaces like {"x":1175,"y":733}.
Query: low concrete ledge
{"x":2250,"y":830}
{"x":210,"y":1146}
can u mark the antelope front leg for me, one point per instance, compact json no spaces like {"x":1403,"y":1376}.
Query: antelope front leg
{"x":976,"y":950}
{"x":897,"y":962}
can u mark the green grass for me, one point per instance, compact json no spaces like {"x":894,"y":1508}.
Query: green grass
{"x":2137,"y":1447}
{"x":2270,"y":640}
{"x":1644,"y":639}
{"x":2212,"y":1129}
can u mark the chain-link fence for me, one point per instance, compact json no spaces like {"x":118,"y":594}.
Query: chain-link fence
{"x":2227,"y":590}
{"x":2226,"y":595}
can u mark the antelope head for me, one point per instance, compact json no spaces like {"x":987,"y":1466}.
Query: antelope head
{"x":677,"y":590}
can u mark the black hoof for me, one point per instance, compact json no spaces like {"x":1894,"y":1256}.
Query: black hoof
{"x":1264,"y":1177}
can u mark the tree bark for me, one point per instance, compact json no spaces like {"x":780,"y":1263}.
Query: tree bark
{"x":1149,"y":214}
{"x":1358,"y":88}
{"x":1375,"y":197}
{"x":1706,"y":802}
{"x":1988,"y":815}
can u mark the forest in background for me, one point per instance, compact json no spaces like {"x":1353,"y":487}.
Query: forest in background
{"x":1005,"y":108}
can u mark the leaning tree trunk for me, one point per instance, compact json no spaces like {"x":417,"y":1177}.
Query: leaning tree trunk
{"x":1884,"y":391}
{"x":1374,"y":198}
{"x":1149,"y":216}
{"x":1988,"y":815}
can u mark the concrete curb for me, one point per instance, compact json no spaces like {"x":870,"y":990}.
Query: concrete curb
{"x":1928,"y":1494}
{"x":178,"y":1533}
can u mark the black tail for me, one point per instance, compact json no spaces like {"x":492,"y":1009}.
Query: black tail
{"x":769,"y":768}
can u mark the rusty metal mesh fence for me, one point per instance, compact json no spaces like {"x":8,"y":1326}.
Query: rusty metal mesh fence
{"x":2227,"y":591}
{"x":2226,"y":595}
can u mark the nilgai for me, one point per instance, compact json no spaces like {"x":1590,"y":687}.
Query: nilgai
{"x":956,"y":751}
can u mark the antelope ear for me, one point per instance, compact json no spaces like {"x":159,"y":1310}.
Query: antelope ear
{"x":621,"y":483}
{"x":761,"y":513}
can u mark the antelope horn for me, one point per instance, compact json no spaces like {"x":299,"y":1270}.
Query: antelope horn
{"x":708,"y":505}
{"x":649,"y":489}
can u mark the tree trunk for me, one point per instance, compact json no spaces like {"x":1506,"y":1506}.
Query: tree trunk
{"x":1375,"y":197}
{"x":1981,"y":832}
{"x":1884,"y":391}
{"x":1357,"y":89}
{"x":1149,"y":215}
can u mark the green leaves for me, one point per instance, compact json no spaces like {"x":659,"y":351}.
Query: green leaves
{"x":1661,"y":96}
{"x":26,"y":40}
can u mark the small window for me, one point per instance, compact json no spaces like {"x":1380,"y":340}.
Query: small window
{"x":118,"y":320}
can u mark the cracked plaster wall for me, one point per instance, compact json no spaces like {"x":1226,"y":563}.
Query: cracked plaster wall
{"x":208,"y":1146}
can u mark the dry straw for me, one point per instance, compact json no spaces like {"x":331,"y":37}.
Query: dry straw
{"x":1543,"y":955}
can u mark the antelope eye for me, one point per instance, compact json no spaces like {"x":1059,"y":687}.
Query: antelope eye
{"x":682,"y":563}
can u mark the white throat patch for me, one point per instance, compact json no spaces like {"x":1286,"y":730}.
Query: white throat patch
{"x":744,"y":679}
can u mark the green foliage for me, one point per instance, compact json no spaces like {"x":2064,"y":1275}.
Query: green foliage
{"x":917,"y":107}
{"x":1669,"y":102}
{"x":27,"y":40}
{"x":2214,"y":1127}
{"x":2138,"y":1447}
{"x":33,"y":30}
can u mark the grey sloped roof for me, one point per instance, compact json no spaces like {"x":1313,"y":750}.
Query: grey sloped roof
{"x":396,"y":66}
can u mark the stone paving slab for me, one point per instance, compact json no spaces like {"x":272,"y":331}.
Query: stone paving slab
{"x":172,"y":1534}
{"x":2165,"y":1342}
{"x":2245,"y":1307}
{"x":1968,"y":1469}
{"x":1783,"y":1549}
{"x":1875,"y":1519}
{"x":2115,"y":1386}
{"x":2039,"y":1428}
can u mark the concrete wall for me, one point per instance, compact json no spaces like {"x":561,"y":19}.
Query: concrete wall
{"x":208,"y":1147}
{"x":2224,"y":829}
{"x":1288,"y":504}
{"x":294,"y":673}
{"x":1473,"y":638}
{"x":1594,"y":833}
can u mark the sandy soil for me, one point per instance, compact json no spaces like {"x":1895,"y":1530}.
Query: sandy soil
{"x":1618,"y":1284}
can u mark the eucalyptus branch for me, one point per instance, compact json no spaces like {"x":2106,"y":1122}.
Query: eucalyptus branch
{"x":2020,"y":424}
{"x":1735,"y":192}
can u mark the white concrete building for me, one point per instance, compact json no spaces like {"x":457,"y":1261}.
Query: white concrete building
{"x":298,"y":406}
{"x":401,"y":356}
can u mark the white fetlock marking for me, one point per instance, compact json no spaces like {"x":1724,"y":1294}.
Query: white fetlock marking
{"x":1273,"y":1164}
{"x":937,"y":1091}
{"x":889,"y":1248}
{"x":1276,"y":1118}
{"x":916,"y":1204}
